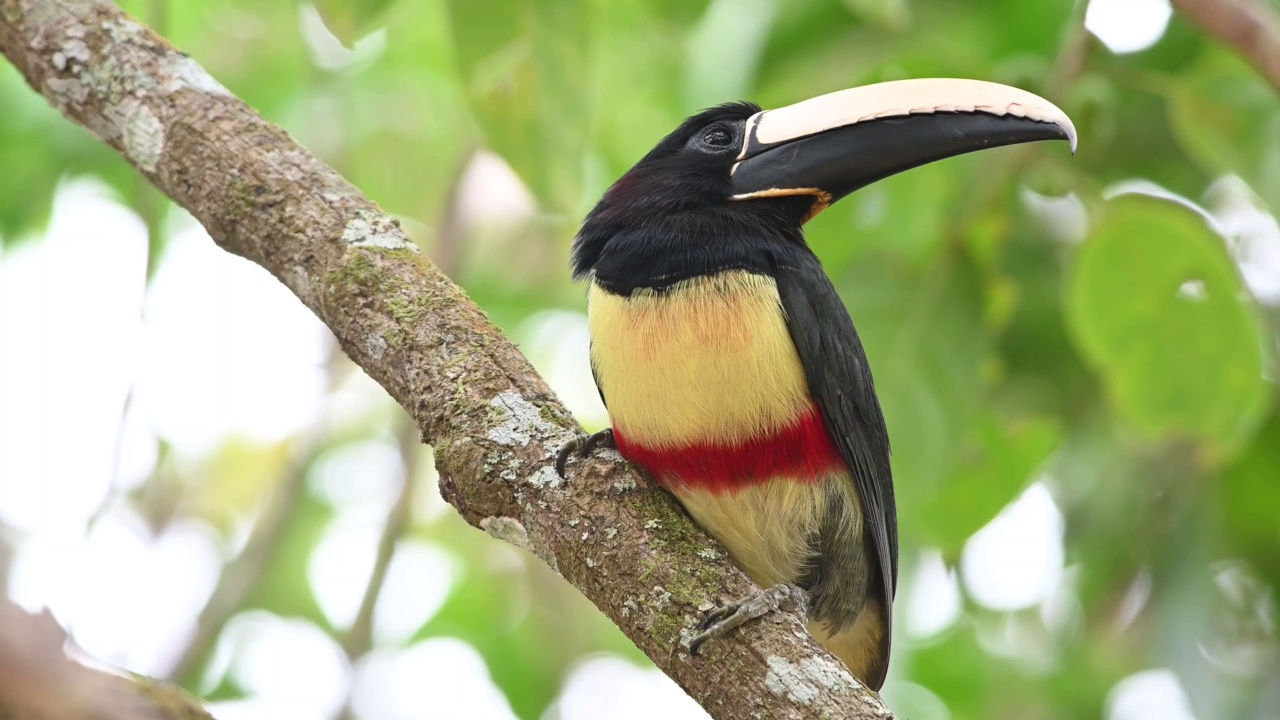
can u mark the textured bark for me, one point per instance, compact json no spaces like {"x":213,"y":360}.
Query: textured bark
{"x":1250,"y":27}
{"x":494,"y":423}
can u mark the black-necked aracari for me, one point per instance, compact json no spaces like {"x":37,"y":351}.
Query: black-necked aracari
{"x":729,"y":365}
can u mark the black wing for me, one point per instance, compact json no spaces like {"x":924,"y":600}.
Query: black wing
{"x":839,"y":379}
{"x":595,"y":376}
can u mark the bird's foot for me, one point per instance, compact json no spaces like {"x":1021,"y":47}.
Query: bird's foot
{"x":584,"y":445}
{"x":727,"y":617}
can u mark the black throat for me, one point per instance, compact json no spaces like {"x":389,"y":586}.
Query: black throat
{"x":630,"y":247}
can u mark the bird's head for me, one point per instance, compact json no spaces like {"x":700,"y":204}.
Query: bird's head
{"x":690,"y":168}
{"x":736,"y":168}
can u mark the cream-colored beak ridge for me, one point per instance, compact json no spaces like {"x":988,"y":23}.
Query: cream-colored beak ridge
{"x":924,"y":96}
{"x":845,"y":140}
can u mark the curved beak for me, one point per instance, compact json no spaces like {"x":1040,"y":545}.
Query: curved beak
{"x":834,"y":144}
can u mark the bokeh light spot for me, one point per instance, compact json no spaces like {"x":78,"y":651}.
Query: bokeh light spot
{"x":1016,"y":560}
{"x":1127,"y":26}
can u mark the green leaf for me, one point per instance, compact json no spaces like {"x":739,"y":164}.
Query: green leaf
{"x":997,"y":462}
{"x":725,"y":50}
{"x":892,"y":215}
{"x":1017,"y":26}
{"x":644,"y":101}
{"x":1250,"y":496}
{"x":888,"y":14}
{"x":1157,"y":308}
{"x":677,"y":13}
{"x":926,"y":344}
{"x":1226,"y":119}
{"x":524,"y":63}
{"x":348,"y":20}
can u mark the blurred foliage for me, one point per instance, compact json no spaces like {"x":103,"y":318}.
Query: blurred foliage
{"x":1026,"y":322}
{"x":1126,"y":322}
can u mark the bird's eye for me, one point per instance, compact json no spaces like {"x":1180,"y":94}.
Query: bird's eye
{"x":717,"y":137}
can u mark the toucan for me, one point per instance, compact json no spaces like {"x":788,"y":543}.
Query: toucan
{"x":730,"y":368}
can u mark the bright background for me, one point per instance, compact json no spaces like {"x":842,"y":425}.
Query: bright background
{"x":1076,"y":356}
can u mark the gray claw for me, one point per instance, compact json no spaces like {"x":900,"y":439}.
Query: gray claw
{"x":727,"y":617}
{"x":584,"y":445}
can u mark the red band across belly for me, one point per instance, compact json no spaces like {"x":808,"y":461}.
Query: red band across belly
{"x":803,"y":451}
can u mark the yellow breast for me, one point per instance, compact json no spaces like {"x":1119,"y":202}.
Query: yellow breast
{"x":707,"y":360}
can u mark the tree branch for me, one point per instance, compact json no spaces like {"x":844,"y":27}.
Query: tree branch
{"x":39,"y":682}
{"x":1252,"y":28}
{"x":494,"y":423}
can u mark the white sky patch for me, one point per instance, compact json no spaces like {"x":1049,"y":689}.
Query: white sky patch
{"x":558,"y":344}
{"x":438,"y":678}
{"x":224,"y":350}
{"x":1248,"y":650}
{"x":1064,"y":218}
{"x":340,"y":566}
{"x":492,"y":198}
{"x":260,"y":707}
{"x":1149,"y":695}
{"x":1193,"y":290}
{"x":360,"y":406}
{"x":290,"y":668}
{"x":1022,"y":639}
{"x":1127,"y":26}
{"x":418,"y":583}
{"x":69,"y":329}
{"x":126,"y":597}
{"x":935,"y":596}
{"x":913,"y":701}
{"x":610,"y":688}
{"x":366,"y":475}
{"x":1016,"y":560}
{"x":428,"y":504}
{"x":1253,"y":232}
{"x":138,"y":451}
{"x":227,"y":351}
{"x":328,"y":52}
